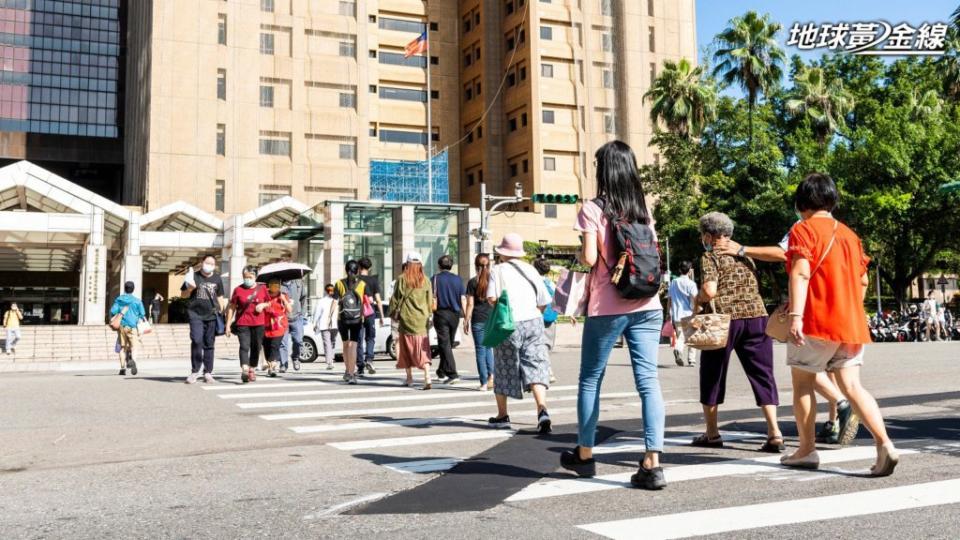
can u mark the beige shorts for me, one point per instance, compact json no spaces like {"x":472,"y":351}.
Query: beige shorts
{"x":821,"y":355}
{"x":129,"y":339}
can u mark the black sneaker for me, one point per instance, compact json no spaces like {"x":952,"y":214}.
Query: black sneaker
{"x":244,"y":376}
{"x":571,"y":461}
{"x":651,"y":479}
{"x":133,"y":366}
{"x":829,"y":434}
{"x":370,"y":369}
{"x":502,"y":422}
{"x":123,"y":371}
{"x":543,"y":422}
{"x":849,"y":423}
{"x":283,"y":369}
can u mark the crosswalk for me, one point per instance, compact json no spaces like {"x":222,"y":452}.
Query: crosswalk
{"x":409,"y":431}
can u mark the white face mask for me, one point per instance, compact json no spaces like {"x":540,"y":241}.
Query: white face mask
{"x":248,"y":282}
{"x":207,"y":268}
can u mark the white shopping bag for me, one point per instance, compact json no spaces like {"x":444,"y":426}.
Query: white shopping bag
{"x":573,"y":291}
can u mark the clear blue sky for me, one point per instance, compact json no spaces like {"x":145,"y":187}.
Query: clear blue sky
{"x":712,"y":15}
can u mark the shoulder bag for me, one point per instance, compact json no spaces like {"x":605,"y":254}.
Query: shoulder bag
{"x":500,"y":325}
{"x":706,"y":331}
{"x":118,"y":318}
{"x":778,"y":324}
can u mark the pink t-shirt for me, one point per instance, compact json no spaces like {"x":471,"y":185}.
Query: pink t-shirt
{"x":605,"y":299}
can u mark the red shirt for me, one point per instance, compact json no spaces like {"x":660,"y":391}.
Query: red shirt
{"x":276,"y":315}
{"x":834,"y":310}
{"x":246,"y":301}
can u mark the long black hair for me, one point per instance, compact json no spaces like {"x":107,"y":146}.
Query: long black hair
{"x":618,"y":184}
{"x":353,"y":270}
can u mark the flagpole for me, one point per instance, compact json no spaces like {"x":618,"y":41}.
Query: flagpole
{"x":429,"y":124}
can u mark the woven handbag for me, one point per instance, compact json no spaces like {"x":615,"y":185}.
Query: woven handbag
{"x":706,"y":331}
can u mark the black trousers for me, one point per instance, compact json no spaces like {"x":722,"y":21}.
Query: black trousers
{"x":203,"y":335}
{"x":251,"y":341}
{"x":446,"y":322}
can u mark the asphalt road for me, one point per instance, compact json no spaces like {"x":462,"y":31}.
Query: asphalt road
{"x":95,"y":455}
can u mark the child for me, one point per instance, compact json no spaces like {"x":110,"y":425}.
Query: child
{"x":276,"y":326}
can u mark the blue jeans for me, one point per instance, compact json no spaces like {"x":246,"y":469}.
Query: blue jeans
{"x":484,"y":354}
{"x":642,"y":333}
{"x":368,"y":341}
{"x":292,"y":341}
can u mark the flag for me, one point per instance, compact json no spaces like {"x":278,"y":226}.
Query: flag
{"x":417,"y":46}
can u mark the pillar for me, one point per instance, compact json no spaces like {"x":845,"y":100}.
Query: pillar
{"x":233,"y":256}
{"x":132,"y":265}
{"x":93,"y":274}
{"x":405,"y":233}
{"x":467,"y":220}
{"x":334,"y":225}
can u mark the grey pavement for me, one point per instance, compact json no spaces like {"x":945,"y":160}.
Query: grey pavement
{"x":94,"y":455}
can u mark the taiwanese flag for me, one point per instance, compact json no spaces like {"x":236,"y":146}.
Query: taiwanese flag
{"x":417,"y":46}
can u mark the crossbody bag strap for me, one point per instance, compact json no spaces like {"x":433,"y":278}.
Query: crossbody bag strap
{"x":836,"y":225}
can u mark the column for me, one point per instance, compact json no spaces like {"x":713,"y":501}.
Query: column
{"x":233,"y":255}
{"x":404,"y":233}
{"x":132,"y":269}
{"x":93,"y":284}
{"x":467,"y":221}
{"x":334,"y":225}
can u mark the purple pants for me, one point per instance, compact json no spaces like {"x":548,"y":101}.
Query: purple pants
{"x":755,"y":350}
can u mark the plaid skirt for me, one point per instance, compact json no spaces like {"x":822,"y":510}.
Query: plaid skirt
{"x":521,"y":360}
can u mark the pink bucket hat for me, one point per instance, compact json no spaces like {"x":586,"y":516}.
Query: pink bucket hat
{"x":511,"y":246}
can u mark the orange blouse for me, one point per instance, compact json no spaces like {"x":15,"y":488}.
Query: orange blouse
{"x":834,"y":310}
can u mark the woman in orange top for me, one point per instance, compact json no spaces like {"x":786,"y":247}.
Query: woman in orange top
{"x":828,"y":330}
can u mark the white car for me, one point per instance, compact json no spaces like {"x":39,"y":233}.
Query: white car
{"x":384,"y":344}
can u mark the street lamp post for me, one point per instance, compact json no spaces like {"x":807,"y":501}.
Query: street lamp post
{"x":942,"y":282}
{"x":483,"y":233}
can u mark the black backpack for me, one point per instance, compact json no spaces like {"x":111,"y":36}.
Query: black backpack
{"x":351,"y":304}
{"x":636,"y":272}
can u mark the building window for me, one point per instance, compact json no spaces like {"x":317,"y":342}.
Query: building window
{"x":372,"y":53}
{"x":510,"y":42}
{"x":222,"y":84}
{"x":348,"y":151}
{"x":348,"y":9}
{"x":266,"y":5}
{"x":469,"y":179}
{"x":478,"y":92}
{"x":468,"y":92}
{"x":434,"y":94}
{"x":273,"y":146}
{"x":373,"y":130}
{"x":266,"y":43}
{"x":434,"y":60}
{"x":221,"y":139}
{"x":403,"y":137}
{"x":435,"y":134}
{"x":480,"y":176}
{"x":509,"y":7}
{"x":348,"y":49}
{"x":656,"y":159}
{"x":653,"y":72}
{"x":608,"y":125}
{"x":526,"y":166}
{"x":606,"y":7}
{"x":221,"y":29}
{"x":650,"y":8}
{"x":513,"y":170}
{"x":548,"y":117}
{"x":546,"y":33}
{"x":549,"y":163}
{"x":606,"y":41}
{"x":218,"y":196}
{"x":479,"y":132}
{"x":373,"y":89}
{"x":469,"y":137}
{"x":546,"y":71}
{"x":348,"y":100}
{"x":268,"y":194}
{"x":550,"y":211}
{"x":653,"y":39}
{"x":434,"y":27}
{"x":403,"y":94}
{"x":513,"y":124}
{"x":466,"y":25}
{"x":511,"y":79}
{"x":476,"y":54}
{"x":402,"y":25}
{"x":397,"y":59}
{"x":266,"y":96}
{"x":467,"y":59}
{"x":607,"y":78}
{"x":523,"y":73}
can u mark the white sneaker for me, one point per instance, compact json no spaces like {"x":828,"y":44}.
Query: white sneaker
{"x":482,"y":388}
{"x":329,"y":367}
{"x":192,"y":378}
{"x":208,"y":378}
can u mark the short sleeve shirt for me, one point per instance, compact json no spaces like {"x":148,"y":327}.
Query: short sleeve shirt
{"x":481,"y":309}
{"x":605,"y":299}
{"x":524,"y":287}
{"x":682,"y":291}
{"x":738,"y":293}
{"x":245,"y":301}
{"x":204,"y":304}
{"x":371,"y":286}
{"x":834,"y":310}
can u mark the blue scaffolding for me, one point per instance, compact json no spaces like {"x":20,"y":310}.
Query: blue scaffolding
{"x":406,"y":181}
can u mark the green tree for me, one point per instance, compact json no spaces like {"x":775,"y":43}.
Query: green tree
{"x":681,"y":99}
{"x":824,"y":102}
{"x":748,"y":55}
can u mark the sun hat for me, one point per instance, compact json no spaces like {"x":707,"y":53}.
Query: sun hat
{"x":414,"y":257}
{"x":511,"y":246}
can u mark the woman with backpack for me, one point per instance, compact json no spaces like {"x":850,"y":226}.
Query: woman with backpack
{"x":245,"y":318}
{"x":349,"y":293}
{"x":411,"y":306}
{"x":626,"y":306}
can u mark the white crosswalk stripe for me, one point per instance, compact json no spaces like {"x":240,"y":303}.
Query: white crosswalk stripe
{"x":739,"y":518}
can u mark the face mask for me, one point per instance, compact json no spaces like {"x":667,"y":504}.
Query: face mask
{"x":207,"y":268}
{"x":248,"y":283}
{"x":708,"y":247}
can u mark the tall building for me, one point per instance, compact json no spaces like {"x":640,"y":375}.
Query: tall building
{"x":544,"y":83}
{"x":240,"y":102}
{"x":61,"y":89}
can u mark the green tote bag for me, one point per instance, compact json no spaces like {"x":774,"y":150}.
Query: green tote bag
{"x":500,"y":324}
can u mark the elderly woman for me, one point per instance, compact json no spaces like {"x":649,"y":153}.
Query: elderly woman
{"x":730,"y":284}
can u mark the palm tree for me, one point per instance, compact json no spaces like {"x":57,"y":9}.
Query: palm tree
{"x":748,"y":55}
{"x":949,"y":63}
{"x":824,"y":102}
{"x":681,"y":99}
{"x":925,"y":105}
